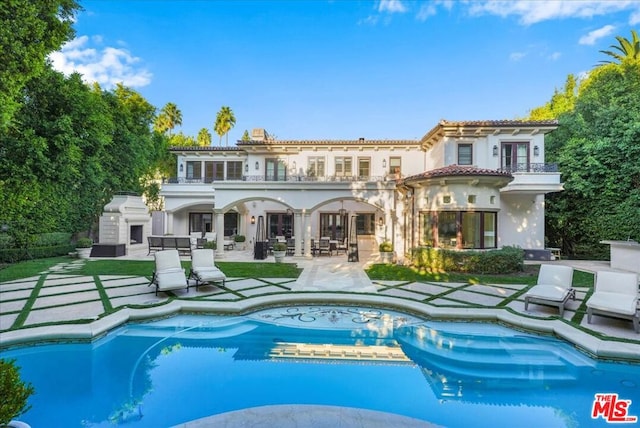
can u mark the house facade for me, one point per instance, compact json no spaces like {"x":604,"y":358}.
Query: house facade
{"x":464,"y":185}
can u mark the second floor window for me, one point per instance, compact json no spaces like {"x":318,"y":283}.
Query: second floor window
{"x":395,"y":165}
{"x":364,"y":167}
{"x":465,"y":154}
{"x":316,"y":167}
{"x":343,"y":167}
{"x":515,"y":157}
{"x":275,"y":170}
{"x":194,"y":170}
{"x":234,"y":170}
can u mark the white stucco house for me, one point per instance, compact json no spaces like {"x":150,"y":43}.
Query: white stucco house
{"x":464,"y":185}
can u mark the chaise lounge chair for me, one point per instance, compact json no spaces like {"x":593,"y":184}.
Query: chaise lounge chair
{"x":169,"y":274}
{"x":553,"y":287}
{"x":615,"y":295}
{"x":203,"y":268}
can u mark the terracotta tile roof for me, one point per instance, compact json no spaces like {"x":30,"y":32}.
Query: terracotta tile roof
{"x":361,"y":141}
{"x":499,"y":123}
{"x":457,"y":171}
{"x":204,"y":149}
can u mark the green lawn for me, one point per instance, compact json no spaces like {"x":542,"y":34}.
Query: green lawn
{"x":145,"y":268}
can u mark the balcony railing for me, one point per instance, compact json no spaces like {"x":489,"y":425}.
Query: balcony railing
{"x":289,"y":178}
{"x":531,"y":167}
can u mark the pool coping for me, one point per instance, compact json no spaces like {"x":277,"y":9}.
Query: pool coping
{"x":584,"y":341}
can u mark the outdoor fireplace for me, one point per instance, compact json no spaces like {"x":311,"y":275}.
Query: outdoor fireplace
{"x":124,"y":224}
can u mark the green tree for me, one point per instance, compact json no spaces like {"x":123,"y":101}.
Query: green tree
{"x":29,"y":31}
{"x":204,"y":137}
{"x":561,"y":102}
{"x":182,"y":140}
{"x":626,"y":49}
{"x":170,"y":117}
{"x":596,"y":147}
{"x":225,"y":121}
{"x":245,"y":136}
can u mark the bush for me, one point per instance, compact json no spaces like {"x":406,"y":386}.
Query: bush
{"x":505,"y":260}
{"x":279,"y":246}
{"x":211,"y":245}
{"x":239,"y":238}
{"x":84,"y":243}
{"x":385,"y":247}
{"x":15,"y":392}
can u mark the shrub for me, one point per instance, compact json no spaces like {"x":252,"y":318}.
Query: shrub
{"x":15,"y":392}
{"x":505,"y":260}
{"x":279,"y":246}
{"x":385,"y":247}
{"x":211,"y":245}
{"x":84,"y":243}
{"x":239,"y":238}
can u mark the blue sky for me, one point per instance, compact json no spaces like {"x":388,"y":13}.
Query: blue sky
{"x":343,"y":69}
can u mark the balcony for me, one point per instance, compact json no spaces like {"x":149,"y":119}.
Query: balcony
{"x":533,"y":179}
{"x":262,"y":178}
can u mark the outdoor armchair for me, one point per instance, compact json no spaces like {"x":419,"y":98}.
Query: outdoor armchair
{"x":168,"y":273}
{"x":615,"y":295}
{"x":203,"y":268}
{"x":553,"y":287}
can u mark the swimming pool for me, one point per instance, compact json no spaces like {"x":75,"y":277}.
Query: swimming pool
{"x":174,"y":370}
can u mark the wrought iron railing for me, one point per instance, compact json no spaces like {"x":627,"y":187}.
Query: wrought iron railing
{"x":531,"y":167}
{"x":262,"y":178}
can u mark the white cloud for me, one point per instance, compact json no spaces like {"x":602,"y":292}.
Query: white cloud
{"x":531,"y":12}
{"x":593,"y":36}
{"x":426,"y":10}
{"x":635,"y":18}
{"x":517,"y":56}
{"x":555,"y":56}
{"x":107,"y":66}
{"x":391,"y":6}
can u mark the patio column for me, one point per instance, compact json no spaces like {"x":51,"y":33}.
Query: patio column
{"x":169,"y":225}
{"x":297,"y":232}
{"x":307,"y":234}
{"x":219,"y":221}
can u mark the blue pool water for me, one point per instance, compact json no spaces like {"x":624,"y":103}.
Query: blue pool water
{"x":171,"y":371}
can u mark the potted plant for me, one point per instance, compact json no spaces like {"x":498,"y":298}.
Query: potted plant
{"x":212,"y":245}
{"x":83,"y":247}
{"x":15,"y":393}
{"x":239,"y":240}
{"x":386,"y":251}
{"x":279,"y":251}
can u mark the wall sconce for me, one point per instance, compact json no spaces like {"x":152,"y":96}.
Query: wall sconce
{"x":294,"y":165}
{"x":381,"y":221}
{"x":257,"y":165}
{"x":495,"y":151}
{"x":181,"y":167}
{"x":246,"y":167}
{"x":536,"y":151}
{"x":384,"y":163}
{"x":253,"y":219}
{"x":342,"y":211}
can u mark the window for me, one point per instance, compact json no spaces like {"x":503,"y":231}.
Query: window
{"x":275,"y":170}
{"x":465,"y":154}
{"x":343,"y":167}
{"x":209,"y":172}
{"x":364,"y":168}
{"x":395,"y":166}
{"x":459,"y":229}
{"x":218,"y":170}
{"x":366,"y":224}
{"x":230,"y":223}
{"x":234,"y":170}
{"x":316,"y":167}
{"x":280,"y":224}
{"x":333,"y":225}
{"x":515,"y":157}
{"x":200,"y":222}
{"x":194,"y":170}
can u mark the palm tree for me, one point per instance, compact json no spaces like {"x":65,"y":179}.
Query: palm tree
{"x":204,"y":137}
{"x":225,"y":120}
{"x":628,"y":49}
{"x":170,"y":117}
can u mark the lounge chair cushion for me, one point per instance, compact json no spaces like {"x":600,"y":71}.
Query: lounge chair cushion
{"x":554,"y":293}
{"x":171,"y":280}
{"x":209,"y":274}
{"x":613,"y":302}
